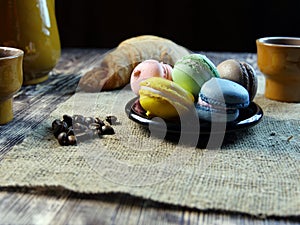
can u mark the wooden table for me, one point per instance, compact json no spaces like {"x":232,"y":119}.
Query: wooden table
{"x":32,"y":104}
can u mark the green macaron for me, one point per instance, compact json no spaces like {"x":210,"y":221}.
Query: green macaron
{"x":192,"y":71}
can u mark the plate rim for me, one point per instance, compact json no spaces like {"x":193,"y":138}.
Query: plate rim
{"x":233,"y":126}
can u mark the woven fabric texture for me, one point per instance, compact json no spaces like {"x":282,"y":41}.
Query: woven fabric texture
{"x":256,"y":171}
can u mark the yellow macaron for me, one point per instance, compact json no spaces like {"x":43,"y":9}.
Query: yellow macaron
{"x":164,"y":98}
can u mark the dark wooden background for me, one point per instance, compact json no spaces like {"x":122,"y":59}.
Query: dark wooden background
{"x":211,"y":25}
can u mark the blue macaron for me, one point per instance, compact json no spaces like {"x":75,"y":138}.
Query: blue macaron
{"x":220,"y":100}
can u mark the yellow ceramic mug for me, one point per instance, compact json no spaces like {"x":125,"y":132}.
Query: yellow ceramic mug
{"x":278,"y":58}
{"x":11,"y":75}
{"x":31,"y":25}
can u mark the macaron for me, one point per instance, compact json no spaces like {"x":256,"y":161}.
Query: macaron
{"x":220,"y":100}
{"x":241,"y":72}
{"x":192,"y":71}
{"x":146,"y":69}
{"x":164,"y":98}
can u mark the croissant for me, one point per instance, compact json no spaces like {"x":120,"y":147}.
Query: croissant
{"x":114,"y":68}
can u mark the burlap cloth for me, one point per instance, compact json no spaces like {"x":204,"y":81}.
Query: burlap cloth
{"x":257,"y":173}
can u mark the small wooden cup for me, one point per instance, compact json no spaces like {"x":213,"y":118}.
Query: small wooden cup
{"x":11,"y":78}
{"x":278,"y":58}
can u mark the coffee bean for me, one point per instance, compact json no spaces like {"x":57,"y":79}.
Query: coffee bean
{"x":78,"y":119}
{"x":89,"y":120}
{"x":68,"y":119}
{"x":72,"y":140}
{"x":62,"y":127}
{"x":94,"y":126}
{"x":72,"y":129}
{"x":106,"y":129}
{"x":111,"y":119}
{"x":83,"y":136}
{"x":62,"y":138}
{"x":78,"y":127}
{"x":97,"y":133}
{"x":56,"y":123}
{"x":99,"y":121}
{"x":90,"y":134}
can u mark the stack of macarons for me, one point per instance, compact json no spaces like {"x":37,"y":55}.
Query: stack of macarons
{"x":220,"y":100}
{"x":194,"y":83}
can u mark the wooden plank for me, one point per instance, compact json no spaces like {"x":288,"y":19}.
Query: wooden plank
{"x":34,"y":103}
{"x":113,"y":209}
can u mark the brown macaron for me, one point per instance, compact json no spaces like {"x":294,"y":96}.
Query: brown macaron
{"x":241,"y":73}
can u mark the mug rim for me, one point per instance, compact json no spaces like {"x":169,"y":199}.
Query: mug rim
{"x":282,"y":41}
{"x":17,"y":52}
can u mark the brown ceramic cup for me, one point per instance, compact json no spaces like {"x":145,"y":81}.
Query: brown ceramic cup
{"x":278,"y":58}
{"x":11,"y":78}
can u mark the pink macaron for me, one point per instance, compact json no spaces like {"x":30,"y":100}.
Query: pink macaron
{"x":146,"y":69}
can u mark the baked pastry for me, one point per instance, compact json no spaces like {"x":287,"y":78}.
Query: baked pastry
{"x":114,"y":69}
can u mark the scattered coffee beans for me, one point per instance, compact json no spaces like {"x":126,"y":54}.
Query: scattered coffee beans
{"x":73,"y":129}
{"x":111,"y":120}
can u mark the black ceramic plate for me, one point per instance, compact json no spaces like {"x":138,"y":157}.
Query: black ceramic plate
{"x":248,"y":117}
